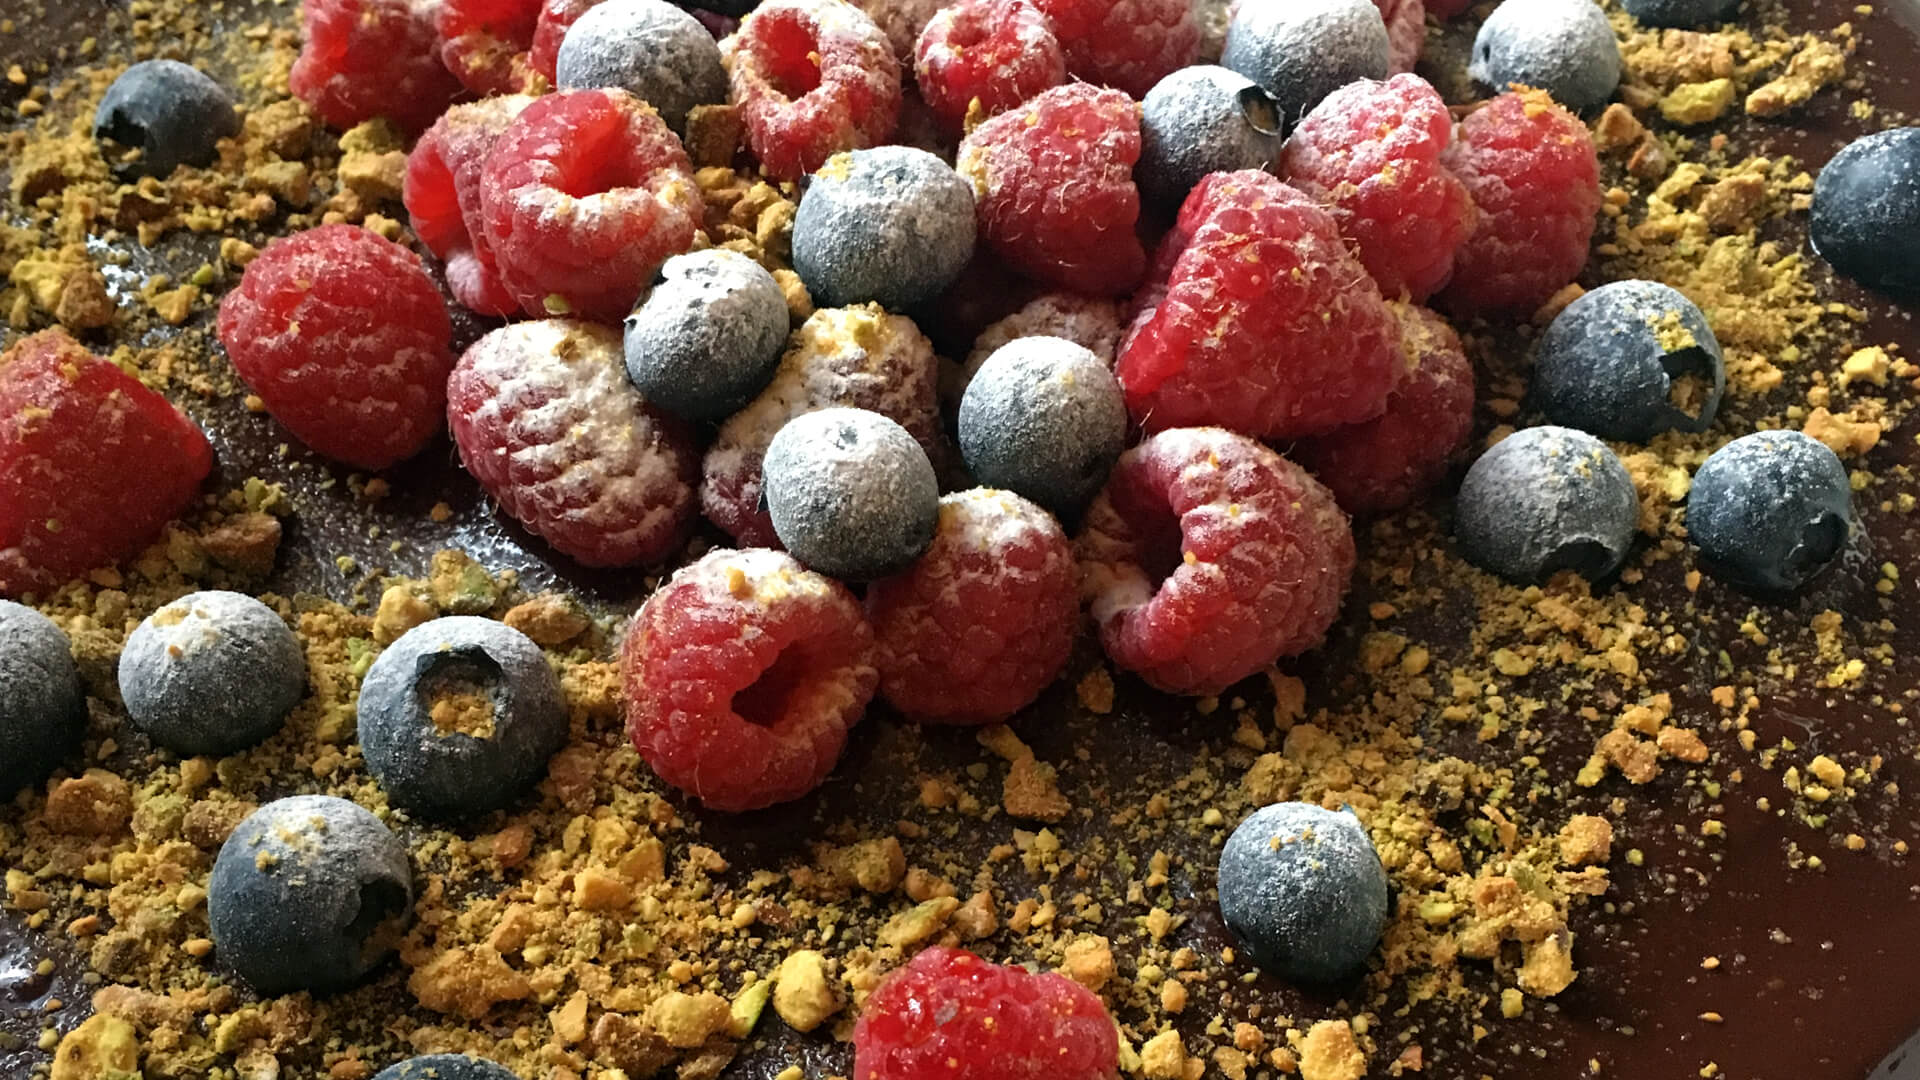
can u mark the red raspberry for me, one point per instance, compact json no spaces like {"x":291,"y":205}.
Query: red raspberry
{"x":547,"y":421}
{"x":583,"y":198}
{"x":1054,"y":181}
{"x":1260,"y":320}
{"x":743,"y":675}
{"x":903,"y":21}
{"x":984,"y":621}
{"x":368,"y":58}
{"x":484,"y":43}
{"x":812,"y":78}
{"x":1208,"y":557}
{"x":859,"y":357}
{"x":1126,"y":44}
{"x":1384,"y":463}
{"x":1371,"y":151}
{"x":949,"y":1013}
{"x":1531,"y":169}
{"x":92,"y":464}
{"x":344,"y":337}
{"x":996,"y":52}
{"x":443,"y":196}
{"x":549,"y":30}
{"x":1406,"y":33}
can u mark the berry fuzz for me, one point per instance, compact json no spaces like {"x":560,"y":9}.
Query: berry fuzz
{"x":1544,"y":500}
{"x":850,"y":493}
{"x":1628,"y":361}
{"x":43,"y":708}
{"x":980,"y":58}
{"x":1045,"y":418}
{"x":811,"y":78}
{"x":1202,"y":120}
{"x":649,"y":48}
{"x":1771,"y":510}
{"x":708,"y":337}
{"x":212,"y":673}
{"x":167,"y":114}
{"x":1302,"y":889}
{"x":894,"y":226}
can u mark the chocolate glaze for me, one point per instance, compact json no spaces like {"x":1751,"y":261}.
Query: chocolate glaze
{"x":1820,"y":972}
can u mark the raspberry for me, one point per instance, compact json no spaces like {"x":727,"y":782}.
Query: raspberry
{"x":367,"y":58}
{"x":1261,"y":321}
{"x":550,"y":30}
{"x":996,"y":52}
{"x":858,"y":357}
{"x":949,"y":1013}
{"x":443,"y":196}
{"x":902,"y":21}
{"x":92,"y":464}
{"x":743,"y":675}
{"x":1096,"y":325}
{"x":582,"y":198}
{"x":1531,"y":169}
{"x":1406,"y":33}
{"x":812,"y":78}
{"x":1371,"y":151}
{"x":546,"y":420}
{"x":976,"y":629}
{"x":344,"y":337}
{"x":1126,"y":44}
{"x":1208,"y":557}
{"x":1054,"y":181}
{"x":1384,"y":463}
{"x":484,"y":43}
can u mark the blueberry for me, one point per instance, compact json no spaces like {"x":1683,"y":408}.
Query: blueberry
{"x":1564,"y":47}
{"x":308,"y":893}
{"x":212,"y":673}
{"x":1628,"y":361}
{"x":1201,"y":120}
{"x":171,"y":113}
{"x":1544,"y":500}
{"x":1866,"y":210}
{"x":660,"y":54}
{"x":445,"y":1067}
{"x":1303,"y":889}
{"x":851,"y":494}
{"x":708,"y":337}
{"x":459,"y":717}
{"x":1302,"y":50}
{"x":893,"y":226}
{"x":1771,"y":510}
{"x":1681,"y":14}
{"x":42,"y":707}
{"x":1044,"y":418}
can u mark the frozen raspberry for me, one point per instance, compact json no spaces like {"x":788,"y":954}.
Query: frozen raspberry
{"x":368,"y":58}
{"x":1258,"y":319}
{"x":1208,"y":557}
{"x":857,"y":357}
{"x":1126,"y":44}
{"x":983,"y":622}
{"x":1386,"y":462}
{"x":1406,"y":33}
{"x":1371,"y":151}
{"x":1094,"y":324}
{"x":996,"y":52}
{"x":344,"y":337}
{"x":949,"y":1013}
{"x":550,"y":31}
{"x":1530,"y":166}
{"x":92,"y":464}
{"x":583,"y":198}
{"x":443,"y":197}
{"x":903,"y":21}
{"x":743,"y":675}
{"x":547,"y":422}
{"x":812,"y":78}
{"x":1054,"y":183}
{"x":484,"y":43}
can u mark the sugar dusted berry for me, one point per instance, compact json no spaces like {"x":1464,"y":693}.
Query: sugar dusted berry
{"x":812,"y":78}
{"x":949,"y":1012}
{"x":344,"y":337}
{"x":1772,"y":510}
{"x":92,"y":463}
{"x":1208,"y":557}
{"x":582,"y":199}
{"x":368,"y":58}
{"x":212,"y":673}
{"x":858,"y":357}
{"x":893,"y":226}
{"x":743,"y":675}
{"x":1128,"y":45}
{"x":1045,"y":418}
{"x":1563,"y":47}
{"x":1866,"y":210}
{"x":1303,"y":50}
{"x":442,"y":196}
{"x":1406,"y":33}
{"x":550,"y":28}
{"x":996,"y":53}
{"x":1258,"y":319}
{"x":166,"y":114}
{"x":1371,"y":151}
{"x":985,"y":620}
{"x":484,"y":43}
{"x":1202,"y":120}
{"x":1627,"y":361}
{"x":649,"y":48}
{"x":546,"y":420}
{"x":850,"y":493}
{"x":1544,"y":500}
{"x":1054,"y":185}
{"x":43,"y":708}
{"x":708,"y":336}
{"x":1303,"y":891}
{"x":1531,"y":169}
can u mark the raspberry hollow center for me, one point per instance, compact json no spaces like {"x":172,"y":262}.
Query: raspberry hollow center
{"x":771,"y":697}
{"x":792,"y":57}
